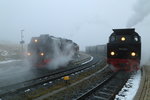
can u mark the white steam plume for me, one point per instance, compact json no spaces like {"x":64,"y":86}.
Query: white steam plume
{"x":141,"y":10}
{"x":61,"y":58}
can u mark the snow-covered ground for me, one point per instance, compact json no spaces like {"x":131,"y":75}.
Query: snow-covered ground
{"x":9,"y":54}
{"x":129,"y":90}
{"x":87,"y":61}
{"x":3,"y":52}
{"x":8,"y":61}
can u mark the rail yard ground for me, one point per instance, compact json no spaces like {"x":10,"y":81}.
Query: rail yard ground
{"x":76,"y":85}
{"x":20,"y":70}
{"x":51,"y":86}
{"x":83,"y":58}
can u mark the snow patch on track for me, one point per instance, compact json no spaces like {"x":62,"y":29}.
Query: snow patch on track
{"x":8,"y":61}
{"x":130,"y":88}
{"x":87,"y":61}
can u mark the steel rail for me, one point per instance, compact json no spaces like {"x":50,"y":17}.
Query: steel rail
{"x":85,"y":95}
{"x":107,"y":82}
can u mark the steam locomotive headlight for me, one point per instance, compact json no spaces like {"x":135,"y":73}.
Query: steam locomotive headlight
{"x":112,"y":53}
{"x":123,"y":39}
{"x":35,"y":40}
{"x":133,"y":54}
{"x":29,"y":54}
{"x":42,"y":54}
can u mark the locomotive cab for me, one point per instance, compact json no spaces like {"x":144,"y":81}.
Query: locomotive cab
{"x":124,"y":49}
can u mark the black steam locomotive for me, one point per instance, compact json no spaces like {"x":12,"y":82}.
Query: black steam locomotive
{"x":124,"y":50}
{"x":43,"y":49}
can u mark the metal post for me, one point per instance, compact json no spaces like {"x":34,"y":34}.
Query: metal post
{"x":22,"y":41}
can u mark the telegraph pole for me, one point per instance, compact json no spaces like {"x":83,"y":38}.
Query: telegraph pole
{"x":22,"y":41}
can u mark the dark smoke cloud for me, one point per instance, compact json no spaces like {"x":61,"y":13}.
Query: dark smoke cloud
{"x":141,"y":10}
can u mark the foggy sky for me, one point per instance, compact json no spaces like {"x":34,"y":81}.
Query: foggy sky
{"x":141,"y":11}
{"x":87,"y":22}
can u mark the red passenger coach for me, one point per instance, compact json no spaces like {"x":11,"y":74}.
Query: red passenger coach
{"x":124,"y":50}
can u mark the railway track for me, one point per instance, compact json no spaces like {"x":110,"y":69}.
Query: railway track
{"x":51,"y":77}
{"x":107,"y":88}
